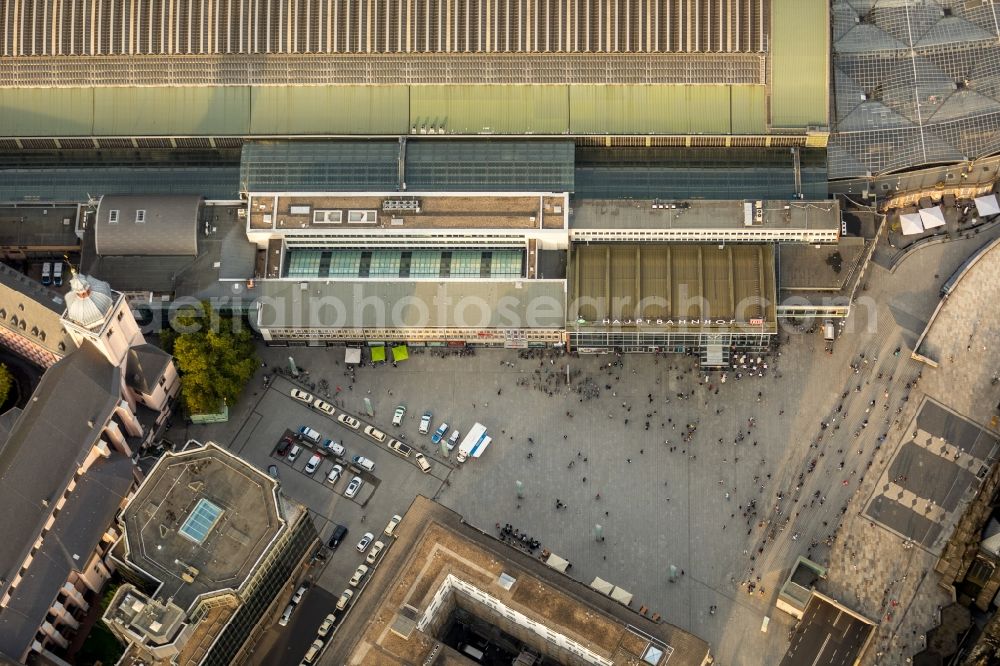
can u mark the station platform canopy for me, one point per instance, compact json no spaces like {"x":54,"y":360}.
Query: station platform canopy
{"x":673,"y":286}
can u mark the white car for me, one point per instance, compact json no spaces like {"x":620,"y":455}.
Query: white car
{"x":375,"y":433}
{"x":397,"y":416}
{"x":349,"y":420}
{"x":313,"y":463}
{"x":323,"y":406}
{"x":359,"y":575}
{"x":422,"y":463}
{"x":425,"y":423}
{"x":324,"y":628}
{"x":335,"y":473}
{"x":453,"y":440}
{"x":353,"y":487}
{"x":345,"y":600}
{"x":391,"y":527}
{"x":374,"y":552}
{"x":336,"y":448}
{"x":365,"y":541}
{"x":299,"y":593}
{"x":299,"y":394}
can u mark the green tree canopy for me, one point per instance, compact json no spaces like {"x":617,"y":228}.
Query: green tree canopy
{"x":6,"y":383}
{"x":215,"y":356}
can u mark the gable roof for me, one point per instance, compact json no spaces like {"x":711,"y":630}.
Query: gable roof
{"x":145,"y":366}
{"x":56,"y":431}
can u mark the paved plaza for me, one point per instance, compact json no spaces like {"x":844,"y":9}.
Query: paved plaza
{"x":726,"y":482}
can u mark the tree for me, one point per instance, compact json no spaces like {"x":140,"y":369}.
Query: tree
{"x":6,"y":383}
{"x":215,"y":356}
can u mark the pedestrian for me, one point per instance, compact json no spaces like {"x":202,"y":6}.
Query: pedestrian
{"x":628,"y":460}
{"x":642,"y":451}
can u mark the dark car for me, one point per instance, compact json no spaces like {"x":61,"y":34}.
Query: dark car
{"x":339,"y":532}
{"x":283,"y":445}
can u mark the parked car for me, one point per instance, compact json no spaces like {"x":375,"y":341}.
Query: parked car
{"x":399,"y":448}
{"x":374,"y":552}
{"x":439,"y":433}
{"x":294,"y":453}
{"x":57,"y":274}
{"x":375,"y":433}
{"x":336,"y":448}
{"x":307,"y":433}
{"x":391,"y":527}
{"x":359,"y":575}
{"x":313,"y":652}
{"x":365,"y":541}
{"x":313,"y":463}
{"x":299,"y":394}
{"x":323,"y":406}
{"x":425,"y":423}
{"x":272,"y":471}
{"x":47,"y":273}
{"x":349,"y":420}
{"x":397,"y":416}
{"x":286,"y":615}
{"x":335,"y":473}
{"x":324,"y":628}
{"x":364,"y":463}
{"x":453,"y":439}
{"x":284,"y":444}
{"x":339,"y":532}
{"x":299,"y":593}
{"x":422,"y":463}
{"x":345,"y":600}
{"x":353,"y":487}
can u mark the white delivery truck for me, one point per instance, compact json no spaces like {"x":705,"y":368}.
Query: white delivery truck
{"x":474,"y":443}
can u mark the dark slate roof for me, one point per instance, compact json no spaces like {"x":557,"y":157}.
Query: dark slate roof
{"x":87,"y":514}
{"x":145,"y":366}
{"x":170,"y":226}
{"x":7,"y":421}
{"x":49,"y":443}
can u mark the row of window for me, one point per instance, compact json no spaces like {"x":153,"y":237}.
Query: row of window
{"x":115,"y":215}
{"x":715,"y":235}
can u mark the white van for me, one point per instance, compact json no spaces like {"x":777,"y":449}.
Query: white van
{"x":364,"y":463}
{"x":57,"y":274}
{"x":294,"y":453}
{"x":47,"y":273}
{"x":286,"y":615}
{"x":307,"y":433}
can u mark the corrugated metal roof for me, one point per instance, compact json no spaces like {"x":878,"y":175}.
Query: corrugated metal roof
{"x":280,"y":110}
{"x":479,"y":109}
{"x":217,"y":110}
{"x":672,"y":109}
{"x":749,"y":109}
{"x":26,"y":112}
{"x":327,"y":166}
{"x":490,"y":165}
{"x":800,"y":69}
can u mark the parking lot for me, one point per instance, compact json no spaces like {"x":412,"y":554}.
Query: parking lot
{"x":387,"y":490}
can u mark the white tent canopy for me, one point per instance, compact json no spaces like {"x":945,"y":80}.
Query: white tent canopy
{"x":622,"y":596}
{"x":911,"y":224}
{"x":987,"y":205}
{"x":602,"y":586}
{"x":557,"y":563}
{"x":352,"y":355}
{"x":932,"y":217}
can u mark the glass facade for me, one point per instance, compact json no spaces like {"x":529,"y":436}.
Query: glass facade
{"x":260,"y":593}
{"x":392,"y":263}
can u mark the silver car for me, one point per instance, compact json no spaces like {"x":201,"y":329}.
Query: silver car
{"x":353,"y":487}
